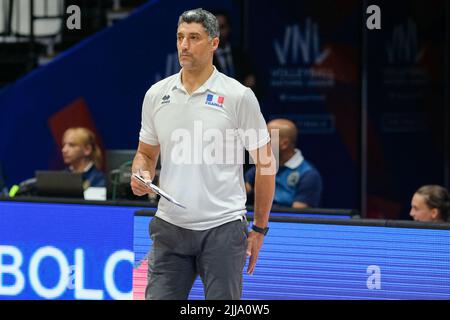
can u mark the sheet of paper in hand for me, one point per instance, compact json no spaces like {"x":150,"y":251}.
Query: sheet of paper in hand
{"x":157,"y":190}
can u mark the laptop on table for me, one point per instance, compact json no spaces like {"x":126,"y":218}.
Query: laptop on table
{"x":59,"y":184}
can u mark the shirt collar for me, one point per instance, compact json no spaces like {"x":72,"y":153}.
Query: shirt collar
{"x":209,"y":85}
{"x":86,"y":169}
{"x":178,"y":84}
{"x":295,"y":160}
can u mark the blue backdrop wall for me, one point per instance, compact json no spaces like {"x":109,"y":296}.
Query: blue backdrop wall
{"x":307,"y":56}
{"x":105,"y":76}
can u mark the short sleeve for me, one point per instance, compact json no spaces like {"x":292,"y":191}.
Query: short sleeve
{"x":147,"y":133}
{"x":252,"y":127}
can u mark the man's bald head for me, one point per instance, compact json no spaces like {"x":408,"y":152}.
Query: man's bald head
{"x":287,"y":130}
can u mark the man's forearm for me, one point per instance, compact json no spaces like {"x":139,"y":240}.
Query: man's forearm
{"x":264,"y":191}
{"x":145,"y":163}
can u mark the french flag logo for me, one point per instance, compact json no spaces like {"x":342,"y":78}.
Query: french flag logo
{"x":214,"y":100}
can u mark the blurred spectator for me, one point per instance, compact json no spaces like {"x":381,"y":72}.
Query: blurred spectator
{"x":430,"y":203}
{"x":298,"y":183}
{"x":232,"y":60}
{"x":81,"y":153}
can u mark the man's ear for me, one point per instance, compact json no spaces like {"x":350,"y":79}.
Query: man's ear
{"x":215,"y":43}
{"x":284,"y":143}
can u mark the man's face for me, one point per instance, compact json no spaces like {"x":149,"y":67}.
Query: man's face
{"x":280,"y":139}
{"x":420,"y":211}
{"x":195,"y":49}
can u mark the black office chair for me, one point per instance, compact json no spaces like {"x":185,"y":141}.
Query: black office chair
{"x":119,"y":182}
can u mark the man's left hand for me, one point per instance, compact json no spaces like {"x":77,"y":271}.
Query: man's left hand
{"x":254,"y":243}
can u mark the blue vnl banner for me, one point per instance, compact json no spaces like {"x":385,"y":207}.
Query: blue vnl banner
{"x":405,"y":103}
{"x":65,"y":251}
{"x":308,"y":71}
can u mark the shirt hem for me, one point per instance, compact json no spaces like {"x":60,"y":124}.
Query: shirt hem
{"x":231,"y":216}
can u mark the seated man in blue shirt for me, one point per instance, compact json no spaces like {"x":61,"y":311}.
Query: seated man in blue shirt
{"x":298,"y":183}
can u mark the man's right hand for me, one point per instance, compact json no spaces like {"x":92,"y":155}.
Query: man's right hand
{"x":138,"y":188}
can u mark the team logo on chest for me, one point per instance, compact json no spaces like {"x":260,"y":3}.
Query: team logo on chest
{"x":214,"y":100}
{"x":293,"y":178}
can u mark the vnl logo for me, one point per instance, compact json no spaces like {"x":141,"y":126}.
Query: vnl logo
{"x":300,"y":44}
{"x":404,"y":46}
{"x":47,"y":274}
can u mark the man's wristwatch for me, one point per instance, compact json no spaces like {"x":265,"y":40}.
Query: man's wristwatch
{"x":260,"y":230}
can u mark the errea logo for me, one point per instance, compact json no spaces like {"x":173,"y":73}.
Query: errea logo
{"x":165,"y":99}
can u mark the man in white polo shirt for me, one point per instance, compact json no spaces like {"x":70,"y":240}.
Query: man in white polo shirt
{"x":200,"y":120}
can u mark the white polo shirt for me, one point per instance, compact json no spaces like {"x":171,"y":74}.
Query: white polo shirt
{"x":202,"y":137}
